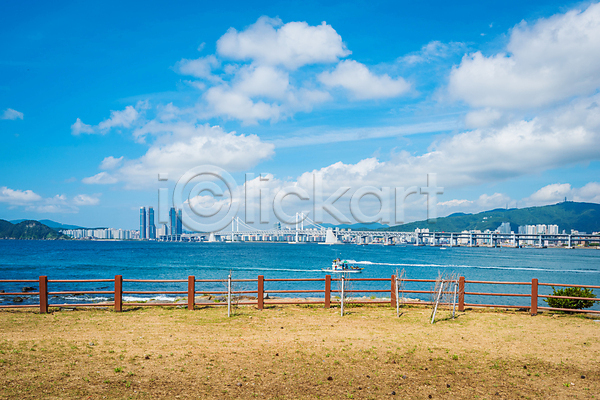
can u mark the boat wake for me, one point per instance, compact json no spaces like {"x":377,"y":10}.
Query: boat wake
{"x":587,"y":271}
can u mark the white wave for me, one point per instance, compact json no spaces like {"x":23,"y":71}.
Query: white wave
{"x":158,"y":297}
{"x":588,"y":271}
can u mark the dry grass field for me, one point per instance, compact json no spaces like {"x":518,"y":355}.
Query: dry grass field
{"x":292,"y":352}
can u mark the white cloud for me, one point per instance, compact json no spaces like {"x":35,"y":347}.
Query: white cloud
{"x":86,"y":200}
{"x":557,"y":192}
{"x":432,"y":51}
{"x":227,"y":102}
{"x":18,"y":197}
{"x":362,"y":83}
{"x":553,"y":59}
{"x":200,"y":68}
{"x":101,"y":178}
{"x":111,"y":162}
{"x":482,"y":118}
{"x":9,"y":113}
{"x":177,"y":147}
{"x":79,"y":127}
{"x":122,"y":118}
{"x":269,"y":41}
{"x":34,"y":202}
{"x":256,"y":80}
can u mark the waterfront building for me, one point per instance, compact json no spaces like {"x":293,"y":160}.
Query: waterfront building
{"x":179,"y":223}
{"x":173,"y":220}
{"x":151,"y":226}
{"x":142,"y":222}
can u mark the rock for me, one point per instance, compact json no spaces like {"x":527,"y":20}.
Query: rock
{"x":28,"y":289}
{"x":404,"y":377}
{"x":524,"y":366}
{"x":17,"y":300}
{"x":448,"y":385}
{"x":91,"y":343}
{"x":582,"y":376}
{"x":147,"y":357}
{"x":430,"y":396}
{"x":393,"y":393}
{"x":2,"y":291}
{"x":276,"y":354}
{"x":239,"y":384}
{"x":329,"y":378}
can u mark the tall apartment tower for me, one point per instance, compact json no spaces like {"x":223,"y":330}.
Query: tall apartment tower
{"x":143,"y":223}
{"x":151,"y":226}
{"x":179,"y":223}
{"x":173,"y":219}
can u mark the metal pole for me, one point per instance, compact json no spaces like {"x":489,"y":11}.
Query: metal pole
{"x":229,"y":295}
{"x":454,"y":299}
{"x":437,"y":301}
{"x":397,"y":299}
{"x":342,"y":296}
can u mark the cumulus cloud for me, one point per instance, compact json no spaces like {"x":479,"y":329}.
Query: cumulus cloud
{"x":200,"y":68}
{"x":432,"y":51}
{"x":111,"y":162}
{"x":118,"y":119}
{"x":18,"y":197}
{"x":79,"y":127}
{"x":269,"y":41}
{"x":362,"y":83}
{"x":551,"y":60}
{"x":9,"y":113}
{"x":177,"y":147}
{"x":86,"y":200}
{"x":122,"y":118}
{"x":557,"y":192}
{"x":101,"y":178}
{"x":36,"y":203}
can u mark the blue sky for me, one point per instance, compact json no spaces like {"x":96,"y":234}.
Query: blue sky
{"x":500,"y":100}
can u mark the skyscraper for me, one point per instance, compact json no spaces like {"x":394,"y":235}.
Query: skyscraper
{"x":173,"y":219}
{"x":142,"y":222}
{"x":179,"y":223}
{"x":151,"y":226}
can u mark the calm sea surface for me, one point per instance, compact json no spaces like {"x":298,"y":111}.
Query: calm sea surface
{"x":160,"y":260}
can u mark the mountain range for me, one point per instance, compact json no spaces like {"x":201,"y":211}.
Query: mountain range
{"x":583,"y":217}
{"x":28,"y":229}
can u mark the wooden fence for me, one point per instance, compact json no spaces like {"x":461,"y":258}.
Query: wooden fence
{"x":260,"y":293}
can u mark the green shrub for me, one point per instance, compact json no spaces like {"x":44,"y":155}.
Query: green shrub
{"x":571,"y":303}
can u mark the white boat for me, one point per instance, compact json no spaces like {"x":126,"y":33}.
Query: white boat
{"x":342,"y":266}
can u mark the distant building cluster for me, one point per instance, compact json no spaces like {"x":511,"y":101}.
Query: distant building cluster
{"x":540,"y":229}
{"x":148,"y":229}
{"x":102,"y":233}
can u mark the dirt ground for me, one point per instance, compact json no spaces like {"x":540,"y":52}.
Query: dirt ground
{"x":291,"y":352}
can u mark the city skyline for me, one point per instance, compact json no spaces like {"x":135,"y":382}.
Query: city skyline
{"x":500,"y":100}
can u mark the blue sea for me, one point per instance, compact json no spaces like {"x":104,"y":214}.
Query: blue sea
{"x":164,"y":260}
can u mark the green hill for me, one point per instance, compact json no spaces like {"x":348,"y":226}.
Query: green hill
{"x":52,"y":224}
{"x":28,"y":230}
{"x":584,"y":217}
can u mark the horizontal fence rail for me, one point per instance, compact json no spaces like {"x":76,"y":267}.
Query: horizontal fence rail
{"x":259,"y":295}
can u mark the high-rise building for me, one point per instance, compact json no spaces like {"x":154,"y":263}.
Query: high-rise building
{"x":143,"y":223}
{"x":179,"y":223}
{"x":151,"y":226}
{"x":504,"y":228}
{"x":173,"y":219}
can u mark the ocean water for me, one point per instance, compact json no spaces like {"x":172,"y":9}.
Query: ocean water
{"x":161,"y":260}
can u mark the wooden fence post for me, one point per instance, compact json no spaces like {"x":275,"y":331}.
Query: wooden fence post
{"x":191,"y":292}
{"x":261,"y":292}
{"x":534,"y":296}
{"x":43,"y":294}
{"x":461,"y":293}
{"x":327,"y":291}
{"x":119,"y":293}
{"x":393,"y":291}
